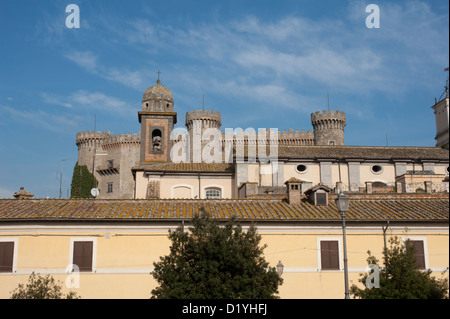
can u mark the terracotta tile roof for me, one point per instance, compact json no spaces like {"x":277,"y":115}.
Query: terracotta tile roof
{"x":366,"y":152}
{"x":362,"y":208}
{"x":188,"y":167}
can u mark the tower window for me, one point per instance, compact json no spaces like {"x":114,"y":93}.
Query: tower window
{"x":331,"y":143}
{"x":110,"y":187}
{"x":156,"y":140}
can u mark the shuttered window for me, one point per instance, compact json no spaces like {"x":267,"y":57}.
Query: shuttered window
{"x":329,"y":253}
{"x":6,"y":256}
{"x":419,"y":252}
{"x":321,"y":198}
{"x":82,"y":255}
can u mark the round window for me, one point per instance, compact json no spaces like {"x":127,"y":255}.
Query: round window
{"x":301,"y":168}
{"x":377,"y":169}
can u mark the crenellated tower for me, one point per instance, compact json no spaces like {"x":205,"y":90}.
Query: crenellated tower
{"x":88,"y":143}
{"x":328,"y":127}
{"x":196,"y":123}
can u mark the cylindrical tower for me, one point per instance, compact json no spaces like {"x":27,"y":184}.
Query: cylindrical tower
{"x":196,"y":123}
{"x":88,"y":142}
{"x":328,"y":127}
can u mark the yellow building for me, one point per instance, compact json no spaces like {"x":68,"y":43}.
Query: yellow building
{"x":115,"y":242}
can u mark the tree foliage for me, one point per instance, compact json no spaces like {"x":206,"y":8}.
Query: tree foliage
{"x":41,"y":287}
{"x":401,"y":277}
{"x":214,"y":262}
{"x":82,"y":182}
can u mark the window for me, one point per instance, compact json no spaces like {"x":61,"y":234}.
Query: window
{"x":301,"y":168}
{"x":110,"y":187}
{"x":329,"y":254}
{"x":6,"y":256}
{"x":419,"y":252}
{"x":321,"y":198}
{"x":294,"y":187}
{"x":376,"y":169}
{"x":110,"y":163}
{"x":331,"y":143}
{"x":213,"y":193}
{"x":83,"y":255}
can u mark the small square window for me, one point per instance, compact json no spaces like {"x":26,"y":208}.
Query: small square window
{"x":110,"y":163}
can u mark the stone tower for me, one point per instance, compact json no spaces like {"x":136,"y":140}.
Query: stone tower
{"x":328,"y":127}
{"x":441,"y":113}
{"x":196,"y":123}
{"x":89,"y":143}
{"x":157,"y":119}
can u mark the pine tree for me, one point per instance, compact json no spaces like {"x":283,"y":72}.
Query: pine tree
{"x":401,"y":278}
{"x":82,"y":182}
{"x":214,"y":262}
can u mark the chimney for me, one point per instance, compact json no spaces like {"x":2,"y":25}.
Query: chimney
{"x":23,"y":194}
{"x":294,"y":191}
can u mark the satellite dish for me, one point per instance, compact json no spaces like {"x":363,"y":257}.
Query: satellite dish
{"x":95,"y":192}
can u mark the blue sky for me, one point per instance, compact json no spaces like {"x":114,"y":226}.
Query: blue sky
{"x":260,"y":63}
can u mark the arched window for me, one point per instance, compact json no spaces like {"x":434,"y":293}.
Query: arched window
{"x":212,"y":193}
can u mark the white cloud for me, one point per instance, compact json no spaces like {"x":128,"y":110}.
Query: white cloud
{"x":98,"y":100}
{"x":44,"y":120}
{"x":89,"y":61}
{"x":292,"y":58}
{"x":54,"y":99}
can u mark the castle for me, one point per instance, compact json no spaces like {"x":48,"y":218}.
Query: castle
{"x":283,"y":182}
{"x":139,"y":166}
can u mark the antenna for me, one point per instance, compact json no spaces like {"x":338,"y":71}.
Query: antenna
{"x":95,"y":151}
{"x":328,"y":101}
{"x":203,"y":102}
{"x":445,"y":88}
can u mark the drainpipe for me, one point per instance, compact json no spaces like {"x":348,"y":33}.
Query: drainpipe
{"x":385,"y":245}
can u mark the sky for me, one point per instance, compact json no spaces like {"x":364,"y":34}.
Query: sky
{"x":262,"y":64}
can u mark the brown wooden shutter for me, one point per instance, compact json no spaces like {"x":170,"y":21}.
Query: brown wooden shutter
{"x":6,"y":256}
{"x":329,"y":255}
{"x":419,"y":253}
{"x":82,"y":255}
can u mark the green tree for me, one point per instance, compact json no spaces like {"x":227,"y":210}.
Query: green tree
{"x":401,"y":277}
{"x":214,"y":262}
{"x":82,"y":182}
{"x":41,"y":287}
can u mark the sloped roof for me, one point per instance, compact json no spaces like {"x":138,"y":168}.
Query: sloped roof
{"x":352,"y":152}
{"x":423,"y":207}
{"x":188,"y":167}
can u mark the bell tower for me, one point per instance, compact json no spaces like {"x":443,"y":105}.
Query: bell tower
{"x":157,"y":119}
